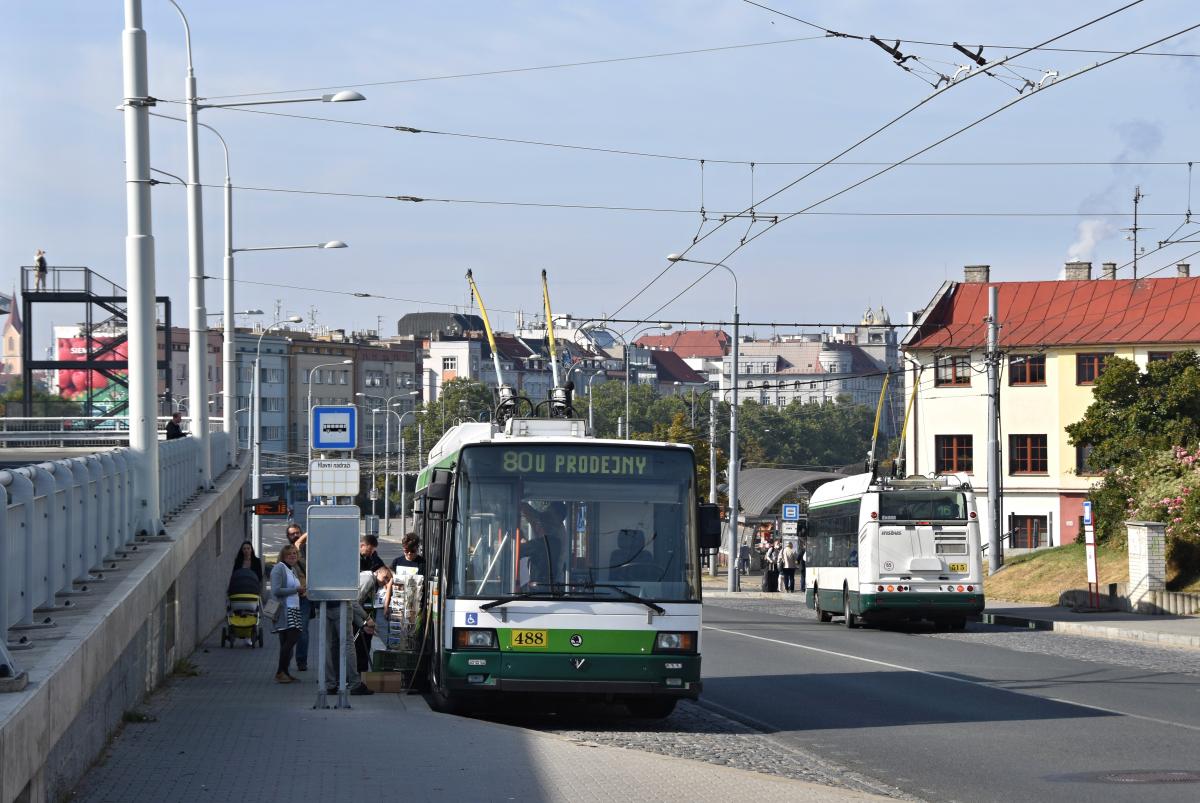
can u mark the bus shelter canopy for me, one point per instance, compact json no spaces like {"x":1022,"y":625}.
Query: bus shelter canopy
{"x":760,"y":490}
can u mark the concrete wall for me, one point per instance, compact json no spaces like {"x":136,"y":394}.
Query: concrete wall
{"x":165,"y":599}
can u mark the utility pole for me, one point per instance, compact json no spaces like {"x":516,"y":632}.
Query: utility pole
{"x":712,"y":468}
{"x":1133,"y":230}
{"x":995,"y":545}
{"x":139,"y":278}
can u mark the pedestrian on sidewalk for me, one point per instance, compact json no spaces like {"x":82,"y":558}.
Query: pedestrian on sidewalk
{"x":787,"y":567}
{"x":334,"y":638}
{"x":771,"y":567}
{"x":368,"y":554}
{"x":369,"y":586}
{"x":287,"y":588}
{"x":744,"y":558}
{"x":802,"y":565}
{"x":299,"y":539}
{"x":39,"y":268}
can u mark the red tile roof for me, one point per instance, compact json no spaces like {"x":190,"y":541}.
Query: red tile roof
{"x":671,"y":368}
{"x":705,"y":343}
{"x":1055,"y":313}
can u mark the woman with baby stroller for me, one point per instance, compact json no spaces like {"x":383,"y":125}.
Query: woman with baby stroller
{"x":243,"y":607}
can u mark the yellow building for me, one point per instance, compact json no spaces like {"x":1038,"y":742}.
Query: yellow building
{"x":1055,"y":337}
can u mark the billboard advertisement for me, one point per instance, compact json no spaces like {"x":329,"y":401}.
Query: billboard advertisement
{"x":74,"y":384}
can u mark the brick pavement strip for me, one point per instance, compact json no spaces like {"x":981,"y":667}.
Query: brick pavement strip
{"x":232,"y":734}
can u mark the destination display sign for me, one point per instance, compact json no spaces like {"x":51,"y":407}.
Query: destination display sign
{"x":573,"y":462}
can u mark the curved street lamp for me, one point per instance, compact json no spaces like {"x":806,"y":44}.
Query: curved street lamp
{"x":733,"y":450}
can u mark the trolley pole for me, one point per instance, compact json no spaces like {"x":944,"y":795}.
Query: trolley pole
{"x":995,"y":545}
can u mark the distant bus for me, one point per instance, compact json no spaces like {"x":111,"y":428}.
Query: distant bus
{"x":884,"y":550}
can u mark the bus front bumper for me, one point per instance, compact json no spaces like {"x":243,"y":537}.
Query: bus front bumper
{"x":574,"y":673}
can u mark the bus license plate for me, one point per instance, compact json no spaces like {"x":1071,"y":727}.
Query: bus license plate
{"x":958,"y":567}
{"x":528,"y":640}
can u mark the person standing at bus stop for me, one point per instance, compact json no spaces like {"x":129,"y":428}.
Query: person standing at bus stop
{"x":299,"y":539}
{"x":787,"y":567}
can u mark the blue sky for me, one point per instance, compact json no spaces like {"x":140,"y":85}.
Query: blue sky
{"x":62,"y":139}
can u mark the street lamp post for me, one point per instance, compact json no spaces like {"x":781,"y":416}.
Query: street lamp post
{"x":389,"y":403}
{"x":198,"y":327}
{"x":403,"y":455}
{"x":256,"y":432}
{"x":591,"y":420}
{"x":733,"y":432}
{"x":308,"y":436}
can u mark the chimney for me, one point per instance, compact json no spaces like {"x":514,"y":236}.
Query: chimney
{"x":976,"y":274}
{"x":1078,"y":271}
{"x":1183,"y":270}
{"x":1108,"y":270}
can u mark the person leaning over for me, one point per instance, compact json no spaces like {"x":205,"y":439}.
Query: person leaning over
{"x":368,"y":554}
{"x":287,"y":588}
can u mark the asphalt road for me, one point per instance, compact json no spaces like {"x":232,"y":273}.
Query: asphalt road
{"x":949,"y":719}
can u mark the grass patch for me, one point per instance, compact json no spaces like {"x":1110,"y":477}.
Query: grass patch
{"x":185,"y":669}
{"x":133,"y":717}
{"x":1041,"y":576}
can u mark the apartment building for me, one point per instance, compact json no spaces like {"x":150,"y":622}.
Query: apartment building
{"x":1055,"y":338}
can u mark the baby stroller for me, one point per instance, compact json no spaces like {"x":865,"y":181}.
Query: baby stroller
{"x":243,"y":610}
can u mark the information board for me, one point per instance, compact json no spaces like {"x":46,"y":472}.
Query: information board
{"x":333,"y":478}
{"x":332,"y":552}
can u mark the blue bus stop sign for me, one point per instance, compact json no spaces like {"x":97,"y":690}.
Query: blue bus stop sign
{"x":791,"y":512}
{"x":334,"y":427}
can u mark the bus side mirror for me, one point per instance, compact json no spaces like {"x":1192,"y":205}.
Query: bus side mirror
{"x":438,"y":493}
{"x":708,"y":520}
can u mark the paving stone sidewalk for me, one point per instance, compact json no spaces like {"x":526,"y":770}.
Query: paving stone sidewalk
{"x":232,"y":734}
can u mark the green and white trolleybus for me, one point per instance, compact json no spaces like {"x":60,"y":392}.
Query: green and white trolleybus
{"x":884,"y":549}
{"x":561,"y":564}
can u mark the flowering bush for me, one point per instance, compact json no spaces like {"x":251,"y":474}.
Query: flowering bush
{"x":1162,"y":487}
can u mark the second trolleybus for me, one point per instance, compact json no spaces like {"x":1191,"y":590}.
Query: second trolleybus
{"x":883,"y":549}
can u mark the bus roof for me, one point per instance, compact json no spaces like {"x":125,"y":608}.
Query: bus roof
{"x":859,"y":484}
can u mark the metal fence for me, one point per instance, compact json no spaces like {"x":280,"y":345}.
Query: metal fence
{"x":64,"y":523}
{"x":66,"y":431}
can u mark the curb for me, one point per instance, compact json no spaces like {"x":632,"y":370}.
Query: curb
{"x":1179,"y":640}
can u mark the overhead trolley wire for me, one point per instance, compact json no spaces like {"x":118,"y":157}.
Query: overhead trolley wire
{"x":936,"y":93}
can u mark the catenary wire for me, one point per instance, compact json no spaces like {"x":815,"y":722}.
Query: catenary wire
{"x":936,"y":93}
{"x":746,"y":241}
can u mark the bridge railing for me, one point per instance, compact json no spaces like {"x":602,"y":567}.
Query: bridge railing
{"x":64,"y":431}
{"x":64,"y":523}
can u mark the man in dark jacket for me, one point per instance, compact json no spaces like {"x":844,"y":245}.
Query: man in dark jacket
{"x":173,"y":429}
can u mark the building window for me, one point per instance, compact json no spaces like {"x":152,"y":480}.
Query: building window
{"x":272,"y":404}
{"x":449,"y":363}
{"x":1089,"y":367}
{"x":1028,"y":532}
{"x":953,"y":371}
{"x":1027,"y":369}
{"x":954,"y":453}
{"x":1083,"y":467}
{"x":1159,"y":356}
{"x":1027,"y":454}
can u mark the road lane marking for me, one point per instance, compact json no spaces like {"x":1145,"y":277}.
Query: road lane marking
{"x":939,"y":675}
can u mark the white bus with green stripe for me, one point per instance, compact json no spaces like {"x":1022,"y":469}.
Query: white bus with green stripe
{"x":882,"y":549}
{"x":561,"y":564}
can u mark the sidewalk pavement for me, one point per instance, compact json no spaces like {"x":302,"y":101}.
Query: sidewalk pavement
{"x":1164,"y":631}
{"x":232,"y":734}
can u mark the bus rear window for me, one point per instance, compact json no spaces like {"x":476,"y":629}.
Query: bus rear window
{"x":922,"y":506}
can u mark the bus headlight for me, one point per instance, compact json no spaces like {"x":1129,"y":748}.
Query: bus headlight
{"x":470,"y":638}
{"x":675,"y":642}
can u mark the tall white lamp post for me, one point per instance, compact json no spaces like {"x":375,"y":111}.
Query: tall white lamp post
{"x":733,"y":431}
{"x":256,"y":431}
{"x":198,"y":328}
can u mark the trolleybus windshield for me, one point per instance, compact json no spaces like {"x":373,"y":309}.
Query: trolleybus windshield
{"x":561,"y":520}
{"x":922,"y":506}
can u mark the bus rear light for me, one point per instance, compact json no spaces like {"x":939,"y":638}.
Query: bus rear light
{"x":970,"y":588}
{"x":960,"y":588}
{"x":874,"y":514}
{"x":891,"y":588}
{"x":972,"y":514}
{"x":880,"y":587}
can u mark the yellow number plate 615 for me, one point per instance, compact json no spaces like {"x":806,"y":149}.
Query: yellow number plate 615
{"x":958,"y":567}
{"x":528,"y":640}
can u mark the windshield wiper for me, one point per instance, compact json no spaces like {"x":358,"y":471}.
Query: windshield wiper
{"x":629,"y":595}
{"x":487,"y":606}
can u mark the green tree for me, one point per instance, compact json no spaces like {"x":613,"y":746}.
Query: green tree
{"x":44,"y":404}
{"x":1134,"y":413}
